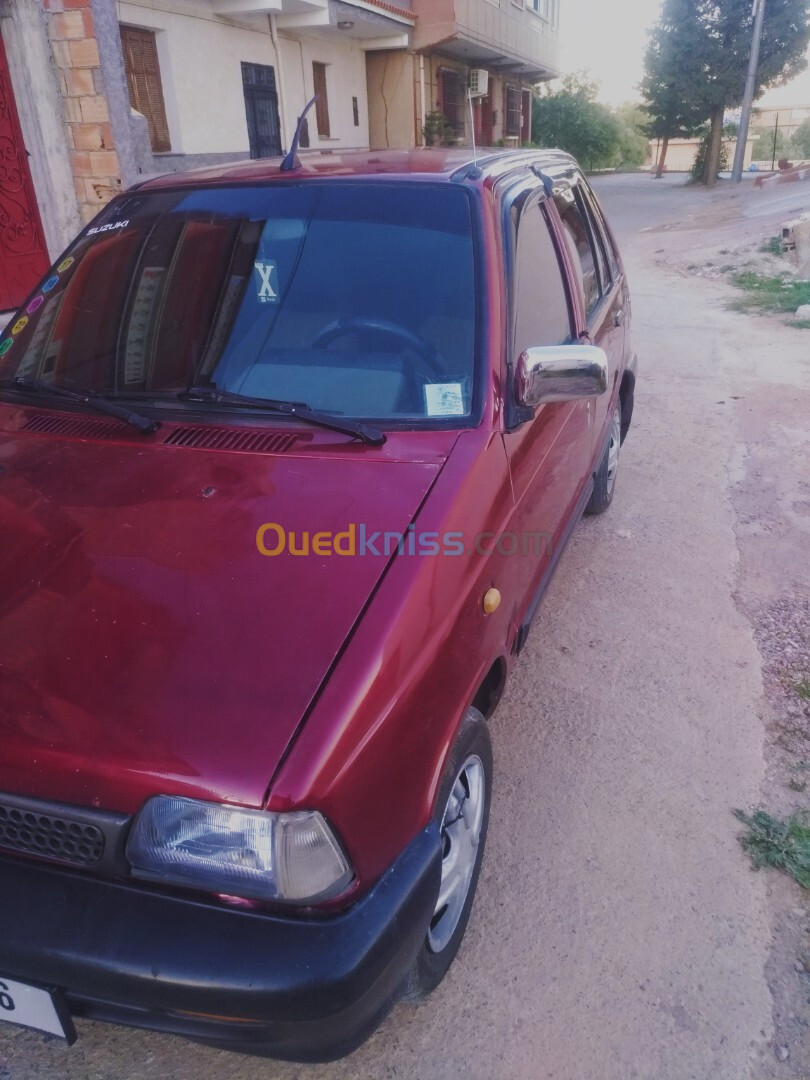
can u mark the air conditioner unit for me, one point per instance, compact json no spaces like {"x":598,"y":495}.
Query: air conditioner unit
{"x":479,"y":82}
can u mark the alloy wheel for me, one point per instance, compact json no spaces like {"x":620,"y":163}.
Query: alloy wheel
{"x":613,"y":449}
{"x":461,"y":835}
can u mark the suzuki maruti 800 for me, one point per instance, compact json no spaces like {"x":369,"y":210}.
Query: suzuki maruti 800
{"x":287,"y":459}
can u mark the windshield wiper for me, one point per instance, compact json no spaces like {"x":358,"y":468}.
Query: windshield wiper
{"x":144,"y":424}
{"x":372,"y":436}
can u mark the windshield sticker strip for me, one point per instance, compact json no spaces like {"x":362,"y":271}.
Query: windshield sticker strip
{"x":34,"y":354}
{"x":143,"y":309}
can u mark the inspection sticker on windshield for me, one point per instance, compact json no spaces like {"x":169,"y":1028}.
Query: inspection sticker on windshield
{"x":267,"y":282}
{"x":444,"y":399}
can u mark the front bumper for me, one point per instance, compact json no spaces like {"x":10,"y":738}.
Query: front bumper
{"x":300,"y":989}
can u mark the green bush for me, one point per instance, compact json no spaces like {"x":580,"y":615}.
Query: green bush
{"x":783,"y":845}
{"x":438,"y":131}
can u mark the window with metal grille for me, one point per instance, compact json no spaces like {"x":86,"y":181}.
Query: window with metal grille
{"x":261,"y":110}
{"x":512,"y":117}
{"x":143,"y":81}
{"x":322,"y":104}
{"x":452,"y":99}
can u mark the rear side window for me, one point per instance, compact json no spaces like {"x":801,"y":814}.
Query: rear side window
{"x":542,"y":315}
{"x":587,"y":205}
{"x":604,"y":232}
{"x":578,"y":239}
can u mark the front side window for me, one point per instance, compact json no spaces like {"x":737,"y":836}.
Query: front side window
{"x":356,"y":298}
{"x":542,"y":315}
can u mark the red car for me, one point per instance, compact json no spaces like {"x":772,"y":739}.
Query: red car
{"x":288,"y":456}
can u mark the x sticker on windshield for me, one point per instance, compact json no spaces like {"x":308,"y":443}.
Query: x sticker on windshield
{"x":267,"y":285}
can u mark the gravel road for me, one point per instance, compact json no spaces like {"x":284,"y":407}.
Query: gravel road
{"x":619,"y":931}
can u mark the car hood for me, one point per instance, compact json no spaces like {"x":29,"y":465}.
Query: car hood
{"x":145,"y":644}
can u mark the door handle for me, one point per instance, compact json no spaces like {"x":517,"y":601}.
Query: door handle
{"x":618,"y":318}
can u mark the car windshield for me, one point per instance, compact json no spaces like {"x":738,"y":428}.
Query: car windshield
{"x":356,"y":298}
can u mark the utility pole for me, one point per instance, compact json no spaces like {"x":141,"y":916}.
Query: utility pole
{"x":775,"y":138}
{"x":748,"y":97}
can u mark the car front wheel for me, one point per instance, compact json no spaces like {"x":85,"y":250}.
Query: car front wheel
{"x":463,"y":817}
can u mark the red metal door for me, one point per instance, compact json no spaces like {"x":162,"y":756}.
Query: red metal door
{"x":23,"y":255}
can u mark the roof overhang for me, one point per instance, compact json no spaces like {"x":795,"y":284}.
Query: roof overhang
{"x":374,"y":24}
{"x":477,"y":55}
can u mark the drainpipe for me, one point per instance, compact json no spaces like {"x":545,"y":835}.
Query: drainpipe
{"x":422,"y":95}
{"x":281,"y":86}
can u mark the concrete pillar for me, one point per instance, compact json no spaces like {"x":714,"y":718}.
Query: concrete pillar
{"x":94,"y":158}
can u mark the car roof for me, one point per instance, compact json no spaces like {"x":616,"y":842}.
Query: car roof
{"x":422,"y":163}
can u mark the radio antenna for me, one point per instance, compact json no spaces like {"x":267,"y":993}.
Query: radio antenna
{"x":472,"y":126}
{"x":292,"y":160}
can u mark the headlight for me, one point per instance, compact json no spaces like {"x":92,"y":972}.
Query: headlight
{"x":225,"y":849}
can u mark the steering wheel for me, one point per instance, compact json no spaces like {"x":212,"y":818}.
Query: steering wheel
{"x":428,"y":354}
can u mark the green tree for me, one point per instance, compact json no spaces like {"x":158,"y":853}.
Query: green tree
{"x":800,"y":143}
{"x":633,"y":141}
{"x":674,"y":70}
{"x":572,"y":119}
{"x":728,"y":29}
{"x":765,"y":148}
{"x":698,"y":60}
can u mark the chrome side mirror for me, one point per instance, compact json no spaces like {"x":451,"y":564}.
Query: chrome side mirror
{"x":560,"y":373}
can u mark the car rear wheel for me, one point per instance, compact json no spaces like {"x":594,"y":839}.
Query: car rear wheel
{"x":605,"y":480}
{"x":463,"y":817}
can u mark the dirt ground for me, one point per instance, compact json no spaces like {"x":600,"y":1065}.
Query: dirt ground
{"x":619,"y":931}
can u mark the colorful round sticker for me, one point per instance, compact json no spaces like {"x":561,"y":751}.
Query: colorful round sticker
{"x":65,"y":263}
{"x":19,"y":325}
{"x":5,"y":346}
{"x":37,"y":302}
{"x":50,"y":283}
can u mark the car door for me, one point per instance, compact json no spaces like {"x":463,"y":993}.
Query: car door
{"x":548,"y":450}
{"x":601,"y":288}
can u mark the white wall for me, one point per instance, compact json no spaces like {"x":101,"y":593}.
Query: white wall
{"x":200,"y":65}
{"x":345,"y":79}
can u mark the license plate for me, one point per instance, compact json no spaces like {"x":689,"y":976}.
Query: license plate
{"x":33,"y":1007}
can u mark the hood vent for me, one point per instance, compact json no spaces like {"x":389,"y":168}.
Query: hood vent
{"x":238,"y":440}
{"x":79,"y":427}
{"x":250,"y":442}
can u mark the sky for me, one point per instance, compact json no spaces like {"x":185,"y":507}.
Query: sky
{"x":609,"y":40}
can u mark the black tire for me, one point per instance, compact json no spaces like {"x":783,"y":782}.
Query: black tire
{"x":604,"y":484}
{"x":472,"y":741}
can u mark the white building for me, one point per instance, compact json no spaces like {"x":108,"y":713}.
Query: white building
{"x":99,"y":94}
{"x":228,"y":78}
